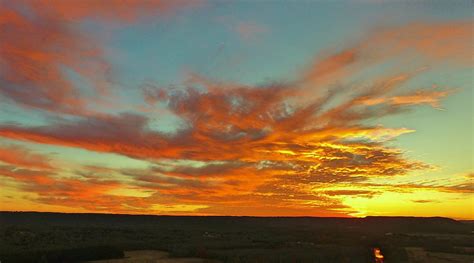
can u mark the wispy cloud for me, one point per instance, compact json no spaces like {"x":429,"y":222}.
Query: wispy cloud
{"x":21,"y":157}
{"x":43,"y":49}
{"x":242,"y":149}
{"x":250,"y":30}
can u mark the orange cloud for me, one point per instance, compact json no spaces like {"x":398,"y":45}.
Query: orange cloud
{"x":437,"y":42}
{"x":21,"y":157}
{"x":249,"y":30}
{"x":26,"y":176}
{"x":247,"y":149}
{"x":254,"y":148}
{"x":125,"y":11}
{"x":41,"y":48}
{"x":429,"y":97}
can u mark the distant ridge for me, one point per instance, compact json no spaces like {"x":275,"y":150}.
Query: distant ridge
{"x":402,"y":218}
{"x":232,"y":216}
{"x":376,"y":224}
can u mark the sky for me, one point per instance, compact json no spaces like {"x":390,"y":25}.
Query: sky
{"x":243,"y":108}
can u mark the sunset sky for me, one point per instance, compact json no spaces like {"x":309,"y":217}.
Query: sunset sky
{"x":265,"y":108}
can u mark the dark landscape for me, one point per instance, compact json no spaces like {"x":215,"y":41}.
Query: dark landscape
{"x":58,"y":237}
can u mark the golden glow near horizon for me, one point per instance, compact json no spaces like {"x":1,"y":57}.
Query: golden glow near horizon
{"x":375,"y":125}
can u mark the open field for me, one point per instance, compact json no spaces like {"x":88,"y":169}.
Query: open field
{"x":420,"y":255}
{"x":145,"y":256}
{"x":52,"y":237}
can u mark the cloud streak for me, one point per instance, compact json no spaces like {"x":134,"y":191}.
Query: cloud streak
{"x":242,"y":149}
{"x":43,"y":52}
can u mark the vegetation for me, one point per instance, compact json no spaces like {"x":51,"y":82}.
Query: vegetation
{"x":53,"y":237}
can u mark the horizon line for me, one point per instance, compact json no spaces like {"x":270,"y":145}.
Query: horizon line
{"x":253,"y":216}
